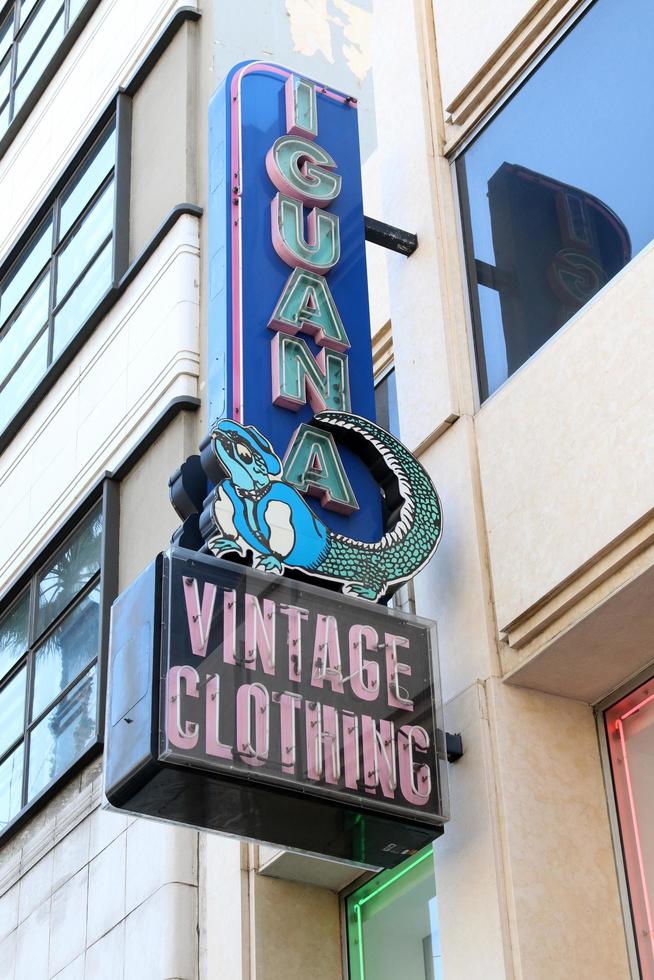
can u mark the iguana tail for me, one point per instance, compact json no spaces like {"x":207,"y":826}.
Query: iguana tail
{"x":370,"y":567}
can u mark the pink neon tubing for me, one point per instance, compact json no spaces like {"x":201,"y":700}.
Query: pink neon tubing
{"x":634,"y":821}
{"x":236,"y":180}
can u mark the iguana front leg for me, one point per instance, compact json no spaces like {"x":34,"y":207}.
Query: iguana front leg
{"x":226,"y":539}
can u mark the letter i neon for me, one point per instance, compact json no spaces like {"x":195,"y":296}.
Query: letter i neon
{"x":301,"y":107}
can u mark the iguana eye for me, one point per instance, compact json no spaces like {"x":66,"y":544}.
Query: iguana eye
{"x":244,"y":452}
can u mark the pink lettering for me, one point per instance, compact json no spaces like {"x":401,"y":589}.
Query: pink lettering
{"x":396,"y":697}
{"x":229,"y":626}
{"x":332,"y":748}
{"x":379,"y":761}
{"x":295,"y":616}
{"x":288,"y":705}
{"x":181,"y":736}
{"x":327,"y":655}
{"x":351,"y":749}
{"x":199,"y":619}
{"x":415,"y":779}
{"x":314,"y":740}
{"x":252,"y":700}
{"x":364,"y":674}
{"x":212,"y":738}
{"x":260,"y":633}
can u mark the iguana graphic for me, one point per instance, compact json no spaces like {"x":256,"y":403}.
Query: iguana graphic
{"x":255,"y":509}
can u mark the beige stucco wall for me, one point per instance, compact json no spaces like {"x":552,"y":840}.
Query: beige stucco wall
{"x":563,"y":898}
{"x":163,"y":171}
{"x":586,"y":401}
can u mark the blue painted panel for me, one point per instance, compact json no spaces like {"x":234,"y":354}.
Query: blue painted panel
{"x":260,"y":120}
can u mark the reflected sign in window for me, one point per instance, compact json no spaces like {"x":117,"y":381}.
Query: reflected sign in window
{"x":553,"y":205}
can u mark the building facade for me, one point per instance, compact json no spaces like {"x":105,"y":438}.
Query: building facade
{"x":513,"y":352}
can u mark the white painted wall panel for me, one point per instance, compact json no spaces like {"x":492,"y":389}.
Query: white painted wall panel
{"x":468,"y":33}
{"x":144,"y":353}
{"x":417,"y":302}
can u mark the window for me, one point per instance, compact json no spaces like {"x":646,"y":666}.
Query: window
{"x":61,"y":273}
{"x":554,"y":203}
{"x":630,"y":735}
{"x":51,"y":637}
{"x":392,"y":924}
{"x":30,"y":35}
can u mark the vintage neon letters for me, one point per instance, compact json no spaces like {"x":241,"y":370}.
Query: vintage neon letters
{"x":287,"y":257}
{"x":327,"y":724}
{"x":303,"y":173}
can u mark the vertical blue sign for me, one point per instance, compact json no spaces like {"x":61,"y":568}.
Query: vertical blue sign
{"x":289,"y":323}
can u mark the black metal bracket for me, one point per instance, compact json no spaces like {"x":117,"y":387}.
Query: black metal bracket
{"x":453,"y":747}
{"x":388,"y":236}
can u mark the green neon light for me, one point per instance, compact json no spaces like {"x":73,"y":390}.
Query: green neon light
{"x":396,"y":877}
{"x":360,"y":940}
{"x":383,"y":885}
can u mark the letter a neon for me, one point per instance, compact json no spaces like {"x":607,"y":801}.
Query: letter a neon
{"x":313,"y":465}
{"x":307,"y":304}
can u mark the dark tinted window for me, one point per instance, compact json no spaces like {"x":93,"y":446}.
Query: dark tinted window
{"x":555,"y":192}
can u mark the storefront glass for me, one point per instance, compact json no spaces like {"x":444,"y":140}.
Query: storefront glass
{"x":630,"y":733}
{"x":392,"y":924}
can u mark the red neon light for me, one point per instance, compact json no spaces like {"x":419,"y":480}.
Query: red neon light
{"x":636,"y":829}
{"x":641,"y":704}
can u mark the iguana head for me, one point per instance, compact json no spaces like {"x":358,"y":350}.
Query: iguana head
{"x":246,"y":456}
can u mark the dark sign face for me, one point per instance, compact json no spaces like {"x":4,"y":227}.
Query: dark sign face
{"x":288,"y":685}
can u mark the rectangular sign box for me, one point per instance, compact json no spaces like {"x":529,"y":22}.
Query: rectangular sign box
{"x":272,"y":711}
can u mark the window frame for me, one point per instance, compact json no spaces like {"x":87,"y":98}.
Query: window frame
{"x":119,"y":109}
{"x":614,"y":819}
{"x":58,"y":56}
{"x":454,"y":153}
{"x":372,"y":882}
{"x":107,"y":494}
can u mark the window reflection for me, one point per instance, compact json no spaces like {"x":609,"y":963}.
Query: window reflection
{"x":14,"y":633}
{"x":392,"y":924}
{"x":12,"y":710}
{"x":11,"y":784}
{"x":26,"y":52}
{"x":71,"y":569}
{"x":80,"y":260}
{"x":31,"y":319}
{"x":85,"y":241}
{"x":39,"y":62}
{"x":23,"y":379}
{"x":34,"y":32}
{"x":63,"y":735}
{"x":48,"y":669}
{"x":66,"y":652}
{"x":552,"y":206}
{"x":6,"y":33}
